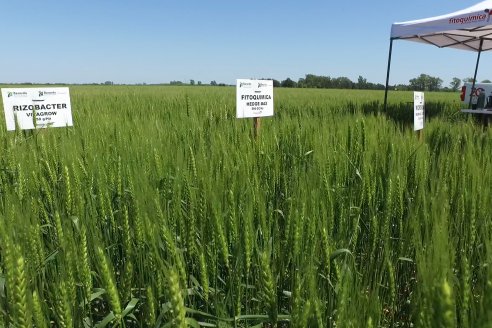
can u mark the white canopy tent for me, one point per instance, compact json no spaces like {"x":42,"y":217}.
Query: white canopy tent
{"x":467,"y":29}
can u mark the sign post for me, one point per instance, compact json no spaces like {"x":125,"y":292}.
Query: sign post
{"x":418,"y":113}
{"x":256,"y":127}
{"x":254,"y":98}
{"x":34,"y":108}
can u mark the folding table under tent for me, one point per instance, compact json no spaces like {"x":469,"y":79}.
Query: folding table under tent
{"x":467,"y":29}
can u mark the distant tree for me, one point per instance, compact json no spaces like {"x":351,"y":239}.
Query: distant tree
{"x":326,"y":82}
{"x":362,"y":83}
{"x":108,"y":83}
{"x":455,"y":84}
{"x":425,"y":83}
{"x":435,"y":84}
{"x":288,"y":83}
{"x":418,"y":83}
{"x":175,"y":83}
{"x":343,"y":83}
{"x":468,"y":79}
{"x":486,"y":81}
{"x":316,"y":81}
{"x":192,"y":82}
{"x":213,"y":83}
{"x":199,"y":82}
{"x":402,"y":87}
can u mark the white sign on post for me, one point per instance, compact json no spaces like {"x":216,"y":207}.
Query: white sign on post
{"x":254,"y":98}
{"x":34,"y":108}
{"x":418,"y":111}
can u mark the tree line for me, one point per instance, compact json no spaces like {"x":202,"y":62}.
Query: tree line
{"x":423,"y":82}
{"x":327,"y":82}
{"x":426,"y":82}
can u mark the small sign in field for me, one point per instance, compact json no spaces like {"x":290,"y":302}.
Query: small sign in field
{"x":34,"y":108}
{"x":418,"y":111}
{"x":254,"y":98}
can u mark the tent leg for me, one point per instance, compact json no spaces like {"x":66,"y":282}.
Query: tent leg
{"x":475,"y":75}
{"x":387,"y":76}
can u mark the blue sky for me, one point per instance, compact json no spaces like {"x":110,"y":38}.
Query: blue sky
{"x":158,"y":41}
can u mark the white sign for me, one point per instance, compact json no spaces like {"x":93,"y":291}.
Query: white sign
{"x":254,"y":98}
{"x":34,"y":108}
{"x":418,"y":111}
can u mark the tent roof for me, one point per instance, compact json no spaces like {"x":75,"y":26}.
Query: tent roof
{"x":463,"y":29}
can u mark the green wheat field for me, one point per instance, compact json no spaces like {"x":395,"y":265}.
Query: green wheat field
{"x":159,"y":209}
